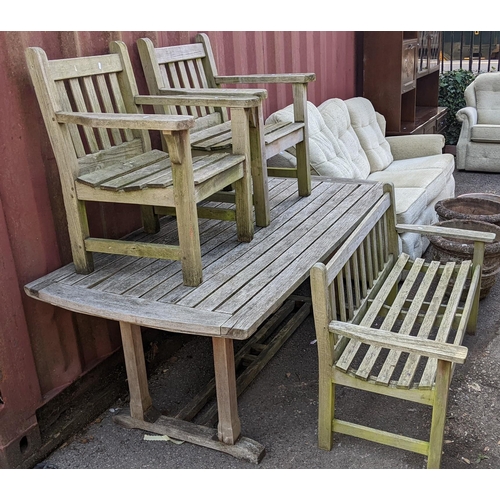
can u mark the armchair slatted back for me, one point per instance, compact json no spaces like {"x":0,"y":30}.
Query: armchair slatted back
{"x":181,"y":67}
{"x":95,"y":84}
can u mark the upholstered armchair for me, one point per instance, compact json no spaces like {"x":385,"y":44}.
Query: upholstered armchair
{"x":478,"y":146}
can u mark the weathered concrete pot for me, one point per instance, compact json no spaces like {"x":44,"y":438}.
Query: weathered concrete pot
{"x":469,"y":208}
{"x":484,"y":196}
{"x":456,"y":250}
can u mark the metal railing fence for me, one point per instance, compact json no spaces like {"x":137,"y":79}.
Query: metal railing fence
{"x":476,"y":51}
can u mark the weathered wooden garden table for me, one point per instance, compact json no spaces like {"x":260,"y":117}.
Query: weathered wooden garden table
{"x":243,"y":284}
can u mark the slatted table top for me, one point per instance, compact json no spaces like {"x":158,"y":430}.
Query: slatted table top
{"x":243,"y":283}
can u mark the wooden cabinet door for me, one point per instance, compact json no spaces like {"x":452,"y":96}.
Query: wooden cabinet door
{"x":408,"y":65}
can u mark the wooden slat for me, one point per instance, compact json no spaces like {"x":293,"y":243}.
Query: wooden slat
{"x":172,"y":54}
{"x":98,"y":177}
{"x":291,"y":239}
{"x":119,"y":102}
{"x":62,"y":69}
{"x":428,"y":377}
{"x":95,"y":107}
{"x":417,"y":300}
{"x":108,"y":107}
{"x":425,"y":329}
{"x":160,"y":286}
{"x":371,"y":355}
{"x":73,"y":129}
{"x":271,"y":136}
{"x":350,"y":351}
{"x":82,"y":107}
{"x":132,"y":310}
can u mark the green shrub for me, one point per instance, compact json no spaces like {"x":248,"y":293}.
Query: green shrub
{"x":452,"y":85}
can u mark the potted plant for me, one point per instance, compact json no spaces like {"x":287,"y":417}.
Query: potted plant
{"x":452,"y":85}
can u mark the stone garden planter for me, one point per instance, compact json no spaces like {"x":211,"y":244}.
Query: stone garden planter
{"x":469,"y":208}
{"x":456,"y":250}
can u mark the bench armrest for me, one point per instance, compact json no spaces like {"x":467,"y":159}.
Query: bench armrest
{"x":228,"y":101}
{"x":127,"y":121}
{"x":448,"y":232}
{"x":271,"y":78}
{"x":405,"y":343}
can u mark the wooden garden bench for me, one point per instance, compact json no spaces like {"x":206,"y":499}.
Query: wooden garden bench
{"x":390,"y":326}
{"x":100,"y":137}
{"x":191,"y":69}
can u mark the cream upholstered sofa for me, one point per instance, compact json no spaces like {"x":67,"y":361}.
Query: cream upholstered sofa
{"x":478,"y":146}
{"x":347,"y":140}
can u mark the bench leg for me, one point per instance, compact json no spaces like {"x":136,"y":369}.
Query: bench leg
{"x":443,"y":378}
{"x":140,"y":400}
{"x":326,"y":410}
{"x":229,"y":427}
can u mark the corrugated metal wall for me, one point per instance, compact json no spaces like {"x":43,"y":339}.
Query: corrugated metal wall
{"x":44,"y":349}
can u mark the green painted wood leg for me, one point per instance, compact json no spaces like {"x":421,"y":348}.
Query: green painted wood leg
{"x":443,"y":378}
{"x":326,"y":411}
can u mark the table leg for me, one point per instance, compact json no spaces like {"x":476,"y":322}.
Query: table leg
{"x":140,"y":400}
{"x":229,"y":427}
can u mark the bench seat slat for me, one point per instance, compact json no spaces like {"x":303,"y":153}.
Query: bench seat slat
{"x":409,"y":370}
{"x":371,"y":356}
{"x":429,"y":375}
{"x":384,"y":376}
{"x":345,"y":360}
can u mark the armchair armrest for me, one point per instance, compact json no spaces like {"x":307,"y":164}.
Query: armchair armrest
{"x":227,"y":101}
{"x":447,"y":231}
{"x":127,"y":121}
{"x":468,"y":118}
{"x":262,"y":93}
{"x":415,"y":146}
{"x":467,"y":115}
{"x":270,"y":78}
{"x":406,"y":343}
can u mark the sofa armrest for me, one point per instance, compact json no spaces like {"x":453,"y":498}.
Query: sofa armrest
{"x":415,"y":146}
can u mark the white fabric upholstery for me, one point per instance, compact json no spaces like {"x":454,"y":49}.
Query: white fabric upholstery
{"x":338,"y":121}
{"x":485,"y":133}
{"x":347,"y":141}
{"x":326,"y":155}
{"x":365,"y":124}
{"x":478,"y":146}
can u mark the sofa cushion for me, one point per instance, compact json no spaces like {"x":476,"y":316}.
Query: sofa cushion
{"x":444,"y":162}
{"x":326,"y":156}
{"x":364,"y":122}
{"x":336,"y":115}
{"x":485,"y":133}
{"x":432,"y":180}
{"x":410,"y":203}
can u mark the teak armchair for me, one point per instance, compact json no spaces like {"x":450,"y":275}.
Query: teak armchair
{"x":191,"y":69}
{"x":99,"y":134}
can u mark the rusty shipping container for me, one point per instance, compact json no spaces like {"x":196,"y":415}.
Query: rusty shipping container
{"x":45,"y":350}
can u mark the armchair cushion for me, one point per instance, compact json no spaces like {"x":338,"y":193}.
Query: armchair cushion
{"x":485,"y":133}
{"x":365,"y":124}
{"x":487,"y":91}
